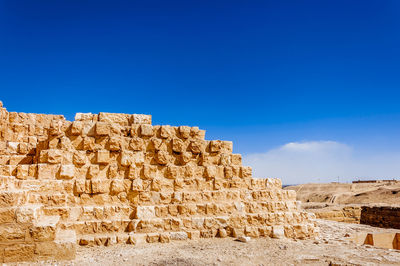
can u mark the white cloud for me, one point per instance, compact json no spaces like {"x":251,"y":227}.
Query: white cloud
{"x":322,"y":161}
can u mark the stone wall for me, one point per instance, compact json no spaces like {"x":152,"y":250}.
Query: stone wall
{"x":381,"y":216}
{"x":114,"y":178}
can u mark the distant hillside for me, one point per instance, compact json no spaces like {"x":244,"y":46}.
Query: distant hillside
{"x":340,"y":193}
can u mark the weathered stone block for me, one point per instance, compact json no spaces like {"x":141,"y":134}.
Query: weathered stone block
{"x":162,"y":157}
{"x":76,"y":128}
{"x":93,"y":171}
{"x":102,"y":129}
{"x":100,"y":186}
{"x":103,"y":157}
{"x":67,"y":171}
{"x":79,"y":158}
{"x":145,"y":212}
{"x":146,"y":130}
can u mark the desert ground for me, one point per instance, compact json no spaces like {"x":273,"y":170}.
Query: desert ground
{"x":332,"y":247}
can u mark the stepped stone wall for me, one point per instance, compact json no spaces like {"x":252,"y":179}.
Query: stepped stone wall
{"x":114,"y":178}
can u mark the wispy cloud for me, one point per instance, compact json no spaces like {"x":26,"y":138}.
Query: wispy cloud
{"x":323,"y":161}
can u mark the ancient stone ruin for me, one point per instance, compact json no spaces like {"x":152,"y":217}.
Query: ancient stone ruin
{"x":114,"y":178}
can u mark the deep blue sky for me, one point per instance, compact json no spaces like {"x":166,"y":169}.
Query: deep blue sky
{"x":260,"y":73}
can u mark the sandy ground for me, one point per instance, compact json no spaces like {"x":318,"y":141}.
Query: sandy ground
{"x":331,"y":248}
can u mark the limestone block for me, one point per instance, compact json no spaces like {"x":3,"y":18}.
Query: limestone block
{"x":184,"y":131}
{"x":197,"y":146}
{"x":133,"y":172}
{"x":144,"y":212}
{"x":102,"y":129}
{"x":93,"y":171}
{"x":245,"y":171}
{"x":23,"y":148}
{"x":273,"y":183}
{"x":164,"y":237}
{"x":137,"y":185}
{"x":216,"y":145}
{"x":236,"y":159}
{"x":88,"y":143}
{"x":138,"y":158}
{"x":22,"y":171}
{"x":84,"y":117}
{"x":80,"y":186}
{"x":222,"y":233}
{"x":76,"y":128}
{"x":137,"y":144}
{"x":7,"y":216}
{"x":178,"y":145}
{"x":117,"y":186}
{"x":194,"y":234}
{"x":228,"y":171}
{"x":178,"y":235}
{"x":54,"y":156}
{"x":111,"y":118}
{"x":185,"y":158}
{"x":140,"y":119}
{"x":20,"y":159}
{"x":79,"y":158}
{"x":149,"y":171}
{"x":278,"y":232}
{"x":195,"y":132}
{"x":225,"y":159}
{"x":210,"y":171}
{"x":146,"y":130}
{"x":251,"y":231}
{"x":103,"y":157}
{"x":166,"y":132}
{"x":112,"y":171}
{"x":19,"y":252}
{"x":162,"y":157}
{"x":12,"y":147}
{"x":47,"y":171}
{"x":172,"y":172}
{"x":100,"y":186}
{"x":45,"y":231}
{"x":114,"y":143}
{"x":153,"y":238}
{"x":227,"y":146}
{"x":67,"y":171}
{"x":126,"y":158}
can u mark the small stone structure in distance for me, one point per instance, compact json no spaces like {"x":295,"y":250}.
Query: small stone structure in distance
{"x":114,"y":178}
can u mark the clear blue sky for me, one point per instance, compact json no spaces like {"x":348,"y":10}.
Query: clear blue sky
{"x":260,"y":73}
